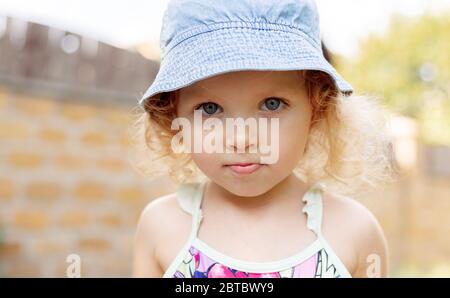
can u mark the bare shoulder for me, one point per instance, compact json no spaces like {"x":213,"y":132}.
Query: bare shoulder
{"x":156,"y":235}
{"x":159,"y":211}
{"x":349,"y":212}
{"x":353,"y":228}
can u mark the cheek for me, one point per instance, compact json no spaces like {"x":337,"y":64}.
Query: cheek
{"x":293,"y":137}
{"x":208,"y":163}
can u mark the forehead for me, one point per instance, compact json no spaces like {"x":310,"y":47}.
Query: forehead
{"x":242,"y":81}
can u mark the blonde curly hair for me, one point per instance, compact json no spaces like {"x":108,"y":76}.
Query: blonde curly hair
{"x":348,"y":148}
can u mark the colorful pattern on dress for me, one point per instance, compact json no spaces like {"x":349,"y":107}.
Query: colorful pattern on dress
{"x":198,"y":265}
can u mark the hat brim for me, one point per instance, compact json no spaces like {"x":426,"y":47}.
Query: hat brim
{"x":235,"y":49}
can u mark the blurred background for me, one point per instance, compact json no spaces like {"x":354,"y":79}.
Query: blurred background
{"x":71,"y":73}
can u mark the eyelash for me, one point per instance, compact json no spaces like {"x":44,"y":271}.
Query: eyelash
{"x":283,"y":103}
{"x":199,"y":106}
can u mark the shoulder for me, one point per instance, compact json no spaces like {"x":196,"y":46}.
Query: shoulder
{"x":153,"y":209}
{"x":158,"y":227}
{"x":161,"y":214}
{"x":350,"y":213}
{"x":359,"y":228}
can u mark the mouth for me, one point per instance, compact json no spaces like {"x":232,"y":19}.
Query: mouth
{"x":244,"y":168}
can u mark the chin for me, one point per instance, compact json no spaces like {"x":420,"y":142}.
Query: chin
{"x":247,"y":188}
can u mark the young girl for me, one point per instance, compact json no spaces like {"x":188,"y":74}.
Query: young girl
{"x":236,"y":214}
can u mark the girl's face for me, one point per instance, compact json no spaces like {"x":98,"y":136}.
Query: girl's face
{"x":250,"y":94}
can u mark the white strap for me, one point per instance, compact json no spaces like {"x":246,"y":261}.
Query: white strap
{"x":313,"y":208}
{"x":186,"y":196}
{"x":189,"y":196}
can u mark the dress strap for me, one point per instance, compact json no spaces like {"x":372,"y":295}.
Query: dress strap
{"x":313,"y":208}
{"x":189,"y":196}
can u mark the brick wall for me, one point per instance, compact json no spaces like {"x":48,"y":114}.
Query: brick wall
{"x":66,"y":187}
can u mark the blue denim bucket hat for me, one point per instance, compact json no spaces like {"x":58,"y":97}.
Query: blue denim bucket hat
{"x":204,"y":38}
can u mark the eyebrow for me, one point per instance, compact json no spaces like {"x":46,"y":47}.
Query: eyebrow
{"x":198,"y":93}
{"x":194,"y":94}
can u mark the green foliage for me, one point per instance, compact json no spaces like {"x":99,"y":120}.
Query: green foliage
{"x":409,"y":68}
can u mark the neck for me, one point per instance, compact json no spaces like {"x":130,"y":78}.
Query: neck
{"x":289,"y":189}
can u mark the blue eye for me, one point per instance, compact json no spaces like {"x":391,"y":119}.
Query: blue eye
{"x":272,"y":104}
{"x":208,"y":108}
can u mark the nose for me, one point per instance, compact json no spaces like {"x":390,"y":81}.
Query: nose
{"x":241,"y":136}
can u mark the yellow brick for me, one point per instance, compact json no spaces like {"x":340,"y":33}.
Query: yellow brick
{"x":112,"y":165}
{"x":113,"y":220}
{"x":131,"y":217}
{"x":93,"y":244}
{"x":11,"y":130}
{"x":93,"y":138}
{"x":90,"y":191}
{"x":43,"y":190}
{"x":53,"y":135}
{"x":131,"y":194}
{"x":35,"y":106}
{"x":3,"y":98}
{"x":46,"y":247}
{"x":28,"y":219}
{"x":10,"y":249}
{"x":26,"y":159}
{"x":69,"y":162}
{"x":117,"y":116}
{"x":124,"y":141}
{"x":78,"y":112}
{"x":74,"y":218}
{"x":6,"y":189}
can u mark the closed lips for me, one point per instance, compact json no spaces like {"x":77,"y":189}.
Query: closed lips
{"x":244,"y":168}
